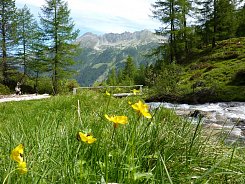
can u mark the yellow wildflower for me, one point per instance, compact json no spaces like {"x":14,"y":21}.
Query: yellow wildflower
{"x":142,"y":108}
{"x":17,"y":153}
{"x":135,"y":91}
{"x":22,"y":167}
{"x":88,"y":138}
{"x":117,"y":120}
{"x":107,"y":93}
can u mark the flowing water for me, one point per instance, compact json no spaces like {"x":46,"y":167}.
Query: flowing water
{"x":228,"y":116}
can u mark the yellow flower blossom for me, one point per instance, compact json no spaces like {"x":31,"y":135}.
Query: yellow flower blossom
{"x":88,"y":138}
{"x":135,"y":91}
{"x":117,"y":120}
{"x":142,"y":108}
{"x":107,"y":93}
{"x":17,"y":153}
{"x":22,"y":167}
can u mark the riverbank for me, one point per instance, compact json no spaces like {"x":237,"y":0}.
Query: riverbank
{"x":202,"y":95}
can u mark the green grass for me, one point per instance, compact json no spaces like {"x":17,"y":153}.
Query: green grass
{"x":164,"y":149}
{"x":217,"y":70}
{"x":210,"y":75}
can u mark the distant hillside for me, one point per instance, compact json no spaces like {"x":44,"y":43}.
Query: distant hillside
{"x":101,"y":53}
{"x":212,"y":75}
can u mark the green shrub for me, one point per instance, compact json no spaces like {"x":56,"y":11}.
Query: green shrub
{"x":4,"y":90}
{"x":167,"y":79}
{"x":239,"y":78}
{"x":66,"y":86}
{"x":44,"y":86}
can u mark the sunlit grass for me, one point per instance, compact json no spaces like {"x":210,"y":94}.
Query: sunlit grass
{"x":161,"y":149}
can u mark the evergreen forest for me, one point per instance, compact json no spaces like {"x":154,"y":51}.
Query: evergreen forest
{"x":34,"y":50}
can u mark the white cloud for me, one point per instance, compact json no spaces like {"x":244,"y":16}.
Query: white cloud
{"x":103,"y":16}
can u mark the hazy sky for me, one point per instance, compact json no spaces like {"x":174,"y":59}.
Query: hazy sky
{"x":105,"y":16}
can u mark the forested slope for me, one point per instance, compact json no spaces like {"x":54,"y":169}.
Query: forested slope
{"x":211,"y":75}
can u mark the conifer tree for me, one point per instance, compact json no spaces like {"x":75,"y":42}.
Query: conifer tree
{"x":129,"y":68}
{"x":27,"y":36}
{"x":241,"y":23}
{"x":204,"y":14}
{"x":112,"y":77}
{"x":183,"y":11}
{"x":173,"y":15}
{"x":129,"y":71}
{"x":59,"y":33}
{"x":164,"y":11}
{"x":7,"y":37}
{"x":226,"y":19}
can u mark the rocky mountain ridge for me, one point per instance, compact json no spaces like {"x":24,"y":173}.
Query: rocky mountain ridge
{"x":117,"y":40}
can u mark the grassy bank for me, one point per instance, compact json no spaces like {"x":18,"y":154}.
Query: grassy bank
{"x":210,"y":75}
{"x":161,"y":149}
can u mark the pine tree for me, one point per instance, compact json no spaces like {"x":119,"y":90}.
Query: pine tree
{"x":150,"y":76}
{"x":27,"y":35}
{"x":112,"y":77}
{"x":173,"y":14}
{"x":140,"y":75}
{"x":183,"y":10}
{"x":215,"y":22}
{"x":7,"y":37}
{"x":120,"y":77}
{"x":241,"y":24}
{"x":129,"y":71}
{"x":204,"y":15}
{"x":164,"y":11}
{"x":58,"y":30}
{"x":227,"y":24}
{"x":38,"y":62}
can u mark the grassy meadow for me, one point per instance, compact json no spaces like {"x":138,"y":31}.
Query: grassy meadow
{"x":161,"y":149}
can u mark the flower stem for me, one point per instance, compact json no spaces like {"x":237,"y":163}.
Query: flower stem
{"x":8,"y":175}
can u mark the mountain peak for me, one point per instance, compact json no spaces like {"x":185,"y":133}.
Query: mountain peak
{"x":90,"y":40}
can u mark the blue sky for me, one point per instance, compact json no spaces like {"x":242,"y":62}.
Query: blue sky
{"x":105,"y":16}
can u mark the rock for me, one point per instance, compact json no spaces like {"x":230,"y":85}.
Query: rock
{"x":196,"y":114}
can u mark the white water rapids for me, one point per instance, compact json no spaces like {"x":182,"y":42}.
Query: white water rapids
{"x":229,"y":116}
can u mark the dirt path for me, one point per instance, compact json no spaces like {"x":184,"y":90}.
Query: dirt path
{"x":8,"y":98}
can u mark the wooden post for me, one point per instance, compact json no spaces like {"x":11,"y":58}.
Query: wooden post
{"x":141,"y":91}
{"x":74,"y":91}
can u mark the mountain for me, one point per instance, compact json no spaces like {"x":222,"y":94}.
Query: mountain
{"x":100,"y":53}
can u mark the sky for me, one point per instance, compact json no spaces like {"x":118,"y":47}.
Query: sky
{"x":105,"y":16}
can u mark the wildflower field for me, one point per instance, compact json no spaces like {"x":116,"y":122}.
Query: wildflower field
{"x":96,"y":138}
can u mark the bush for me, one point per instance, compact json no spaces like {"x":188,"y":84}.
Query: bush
{"x":45,"y":86}
{"x":4,"y":90}
{"x":167,"y":79}
{"x":67,"y":86}
{"x":239,"y":78}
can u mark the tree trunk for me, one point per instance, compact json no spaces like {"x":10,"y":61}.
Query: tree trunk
{"x":4,"y":49}
{"x":215,"y":25}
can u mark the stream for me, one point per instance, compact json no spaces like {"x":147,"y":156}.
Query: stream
{"x":225,"y":116}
